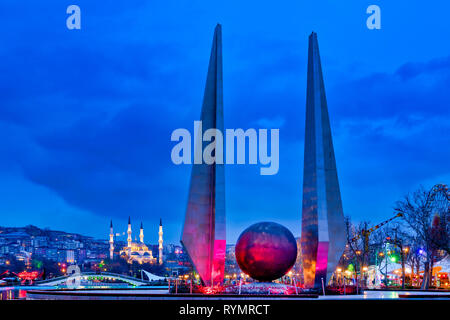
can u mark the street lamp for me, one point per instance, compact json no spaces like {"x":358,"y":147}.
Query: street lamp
{"x":364,"y":269}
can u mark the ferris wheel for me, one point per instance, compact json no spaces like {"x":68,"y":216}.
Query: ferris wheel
{"x":439,"y":200}
{"x":438,"y":203}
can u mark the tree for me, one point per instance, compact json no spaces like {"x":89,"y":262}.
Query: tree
{"x":359,"y":247}
{"x":419,"y":215}
{"x":397,"y":236}
{"x":414,"y":258}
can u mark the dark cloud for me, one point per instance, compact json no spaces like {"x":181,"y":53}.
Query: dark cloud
{"x":88,"y":115}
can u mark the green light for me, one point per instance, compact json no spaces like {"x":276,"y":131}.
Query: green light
{"x":393,"y":259}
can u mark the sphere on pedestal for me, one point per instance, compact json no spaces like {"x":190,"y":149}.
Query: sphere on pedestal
{"x":266,"y":251}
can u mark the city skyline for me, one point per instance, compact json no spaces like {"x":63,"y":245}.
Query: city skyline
{"x":88,"y":128}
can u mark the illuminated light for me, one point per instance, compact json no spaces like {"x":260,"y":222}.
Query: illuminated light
{"x":393,"y":259}
{"x":339,"y":270}
{"x":365,"y":268}
{"x":211,"y":290}
{"x":26,"y":275}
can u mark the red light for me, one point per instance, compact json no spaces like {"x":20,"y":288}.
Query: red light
{"x":25,"y":275}
{"x":211,"y":290}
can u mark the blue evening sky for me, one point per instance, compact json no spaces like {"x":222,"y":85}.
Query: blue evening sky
{"x":86,"y":115}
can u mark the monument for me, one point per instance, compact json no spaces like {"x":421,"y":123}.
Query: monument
{"x":266,"y":251}
{"x":203,"y":235}
{"x":323,"y":236}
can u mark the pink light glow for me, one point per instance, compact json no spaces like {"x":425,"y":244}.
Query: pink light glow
{"x":322,"y":257}
{"x":219,"y":261}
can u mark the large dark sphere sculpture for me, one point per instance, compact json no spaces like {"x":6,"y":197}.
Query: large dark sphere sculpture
{"x":266,"y":251}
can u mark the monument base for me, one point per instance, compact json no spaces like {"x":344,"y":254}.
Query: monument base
{"x":264,"y":288}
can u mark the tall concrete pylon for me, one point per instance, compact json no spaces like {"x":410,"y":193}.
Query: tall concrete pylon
{"x":323,"y":236}
{"x":203,"y":235}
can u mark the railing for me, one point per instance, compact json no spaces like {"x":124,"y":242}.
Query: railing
{"x":88,"y":274}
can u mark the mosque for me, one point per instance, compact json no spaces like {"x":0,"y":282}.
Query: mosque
{"x":137,"y":251}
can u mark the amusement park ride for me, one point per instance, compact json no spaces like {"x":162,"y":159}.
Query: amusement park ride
{"x":24,"y":276}
{"x":366,"y":232}
{"x":438,"y":200}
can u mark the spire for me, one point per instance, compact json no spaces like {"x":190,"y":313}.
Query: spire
{"x":129,"y":231}
{"x":141,"y":234}
{"x":203,"y":235}
{"x":323,"y":229}
{"x":160,"y":242}
{"x":111,"y":242}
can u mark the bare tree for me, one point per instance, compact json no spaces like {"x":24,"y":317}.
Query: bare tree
{"x":397,"y":236}
{"x":359,"y":247}
{"x":414,"y":258}
{"x":419,"y":217}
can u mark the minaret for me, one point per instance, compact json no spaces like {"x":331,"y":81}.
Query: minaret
{"x":111,"y":241}
{"x":141,"y":234}
{"x":129,"y":233}
{"x":160,"y":241}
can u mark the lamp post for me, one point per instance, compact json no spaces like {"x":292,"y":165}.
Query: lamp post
{"x":348,"y":273}
{"x":404,"y":253}
{"x":365,"y":269}
{"x":358,"y":253}
{"x":380,"y":254}
{"x":339,"y":270}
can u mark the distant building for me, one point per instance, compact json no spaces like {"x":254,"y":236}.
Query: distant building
{"x":70,"y":256}
{"x":136,"y":251}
